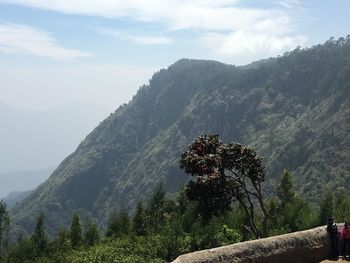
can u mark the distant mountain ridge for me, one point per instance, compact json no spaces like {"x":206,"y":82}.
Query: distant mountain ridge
{"x":294,"y":109}
{"x":14,"y":197}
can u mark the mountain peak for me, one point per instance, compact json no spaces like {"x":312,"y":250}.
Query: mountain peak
{"x":286,"y":109}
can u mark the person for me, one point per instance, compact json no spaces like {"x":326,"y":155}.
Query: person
{"x":332,"y":230}
{"x":346,"y":239}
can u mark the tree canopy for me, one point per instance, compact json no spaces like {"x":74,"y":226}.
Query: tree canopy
{"x":223,"y":173}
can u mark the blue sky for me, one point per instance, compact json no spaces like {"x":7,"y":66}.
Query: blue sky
{"x":101,"y":51}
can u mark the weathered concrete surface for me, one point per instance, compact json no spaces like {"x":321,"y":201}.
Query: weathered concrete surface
{"x":305,"y":246}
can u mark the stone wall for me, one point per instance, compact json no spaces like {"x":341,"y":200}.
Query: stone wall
{"x":305,"y":246}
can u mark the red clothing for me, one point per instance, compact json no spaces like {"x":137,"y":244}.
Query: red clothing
{"x":346,"y":233}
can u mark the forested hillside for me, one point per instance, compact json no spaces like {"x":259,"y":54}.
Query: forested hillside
{"x":294,"y":110}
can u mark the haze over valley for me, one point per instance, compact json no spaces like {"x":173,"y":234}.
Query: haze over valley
{"x":34,"y":142}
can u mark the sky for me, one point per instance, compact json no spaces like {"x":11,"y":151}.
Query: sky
{"x":54,"y":52}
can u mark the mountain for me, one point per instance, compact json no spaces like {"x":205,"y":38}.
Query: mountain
{"x":293,"y":109}
{"x":35,"y":140}
{"x":14,"y":197}
{"x":22,"y":180}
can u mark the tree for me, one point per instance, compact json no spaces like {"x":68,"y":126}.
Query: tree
{"x":39,"y":237}
{"x":285,"y":189}
{"x":4,"y":227}
{"x":139,"y":220}
{"x":342,"y":210}
{"x":156,"y":207}
{"x":119,"y":224}
{"x":75,"y":231}
{"x":288,"y":211}
{"x":327,"y":208}
{"x":62,"y":241}
{"x":224,"y":173}
{"x":172,"y":239}
{"x":91,"y":234}
{"x":23,"y":251}
{"x":298,"y":215}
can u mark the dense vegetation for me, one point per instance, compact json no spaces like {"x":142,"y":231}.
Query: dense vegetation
{"x":223,"y":205}
{"x":224,"y":173}
{"x":163,"y":228}
{"x":294,"y":110}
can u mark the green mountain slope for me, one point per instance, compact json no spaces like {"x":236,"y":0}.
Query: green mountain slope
{"x":294,"y":109}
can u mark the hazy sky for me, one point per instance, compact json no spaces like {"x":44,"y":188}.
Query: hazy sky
{"x":101,"y":51}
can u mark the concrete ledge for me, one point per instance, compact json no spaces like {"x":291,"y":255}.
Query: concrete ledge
{"x":305,"y":246}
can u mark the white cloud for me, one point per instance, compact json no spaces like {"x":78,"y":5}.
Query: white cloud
{"x":152,"y":10}
{"x":147,"y":40}
{"x":23,"y":39}
{"x":139,"y":39}
{"x":176,"y":14}
{"x":222,"y":26}
{"x":243,"y":42}
{"x":267,"y":37}
{"x":289,"y":3}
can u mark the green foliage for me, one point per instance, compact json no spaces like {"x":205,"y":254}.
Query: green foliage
{"x":91,"y":234}
{"x":124,"y":250}
{"x":4,"y":228}
{"x":298,"y":215}
{"x":23,"y":252}
{"x":119,"y":224}
{"x":76,"y":231}
{"x":211,"y":187}
{"x":139,"y":220}
{"x":288,"y":211}
{"x":224,"y":173}
{"x":156,"y":208}
{"x":39,"y":237}
{"x":61,"y":242}
{"x":173,"y":240}
{"x":327,"y":208}
{"x":213,"y":234}
{"x":342,"y":210}
{"x":182,"y":230}
{"x":285,"y":189}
